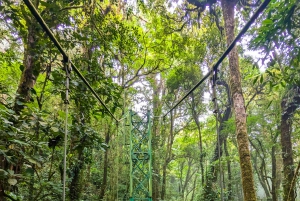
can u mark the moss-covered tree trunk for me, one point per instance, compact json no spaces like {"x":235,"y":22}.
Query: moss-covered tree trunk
{"x":27,"y":81}
{"x":31,"y":63}
{"x":157,"y":86}
{"x":238,"y":104}
{"x":287,"y":156}
{"x":168,"y":156}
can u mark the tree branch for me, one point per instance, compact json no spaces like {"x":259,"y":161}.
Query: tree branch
{"x":71,"y":7}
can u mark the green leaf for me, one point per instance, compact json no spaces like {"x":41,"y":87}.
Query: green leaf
{"x":43,"y":123}
{"x":267,"y":21}
{"x":29,"y":170}
{"x":19,"y":102}
{"x":255,"y":80}
{"x":33,"y":161}
{"x":11,"y":172}
{"x":3,"y":172}
{"x":269,"y":104}
{"x":21,"y":67}
{"x":261,"y":79}
{"x":54,"y":129}
{"x":19,"y":142}
{"x":6,"y":121}
{"x":12,"y":181}
{"x":33,"y":91}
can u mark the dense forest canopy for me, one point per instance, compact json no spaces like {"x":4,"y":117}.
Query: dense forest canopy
{"x":235,"y":137}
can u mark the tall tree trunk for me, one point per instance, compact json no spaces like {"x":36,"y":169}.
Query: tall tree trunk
{"x":31,"y":64}
{"x":75,"y":186}
{"x":287,"y":156}
{"x":27,"y":81}
{"x":168,"y":157}
{"x":105,"y":168}
{"x":156,"y":136}
{"x":238,"y":104}
{"x":77,"y":168}
{"x":289,"y":104}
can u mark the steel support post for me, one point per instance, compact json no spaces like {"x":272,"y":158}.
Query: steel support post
{"x":140,"y":157}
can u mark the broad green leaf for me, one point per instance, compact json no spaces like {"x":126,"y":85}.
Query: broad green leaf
{"x":19,"y":142}
{"x":267,"y":21}
{"x":33,"y":161}
{"x":54,"y":129}
{"x":255,"y":80}
{"x":12,"y":181}
{"x":11,"y":172}
{"x":3,"y":172}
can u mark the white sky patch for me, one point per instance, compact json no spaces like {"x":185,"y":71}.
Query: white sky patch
{"x":255,"y":54}
{"x":172,"y":5}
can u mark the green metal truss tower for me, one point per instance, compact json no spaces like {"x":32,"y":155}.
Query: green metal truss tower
{"x":140,"y":157}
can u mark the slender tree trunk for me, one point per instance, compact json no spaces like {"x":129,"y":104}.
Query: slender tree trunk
{"x":209,"y":194}
{"x":260,"y":174}
{"x":287,"y":155}
{"x":274,"y":171}
{"x":288,"y":106}
{"x":278,"y":174}
{"x":194,"y":188}
{"x":238,"y":104}
{"x":168,"y":157}
{"x":196,"y":119}
{"x":164,"y":181}
{"x":75,"y":186}
{"x":229,"y":185}
{"x":105,"y":169}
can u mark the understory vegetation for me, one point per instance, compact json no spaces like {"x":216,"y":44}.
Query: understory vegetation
{"x":239,"y":142}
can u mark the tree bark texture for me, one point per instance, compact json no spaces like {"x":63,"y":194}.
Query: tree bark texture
{"x":31,"y":64}
{"x":238,"y":104}
{"x":158,"y":87}
{"x":287,"y":156}
{"x":168,"y":157}
{"x":289,"y":104}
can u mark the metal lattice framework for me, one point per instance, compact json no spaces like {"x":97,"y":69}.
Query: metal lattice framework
{"x":140,"y":157}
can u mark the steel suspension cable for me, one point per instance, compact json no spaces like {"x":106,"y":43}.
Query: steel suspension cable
{"x":45,"y":27}
{"x":261,"y":8}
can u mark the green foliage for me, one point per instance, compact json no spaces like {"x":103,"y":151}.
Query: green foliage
{"x":277,"y":36}
{"x":148,"y":53}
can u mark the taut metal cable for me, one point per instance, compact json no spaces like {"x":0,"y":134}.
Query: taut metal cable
{"x":40,"y":20}
{"x":230,"y":47}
